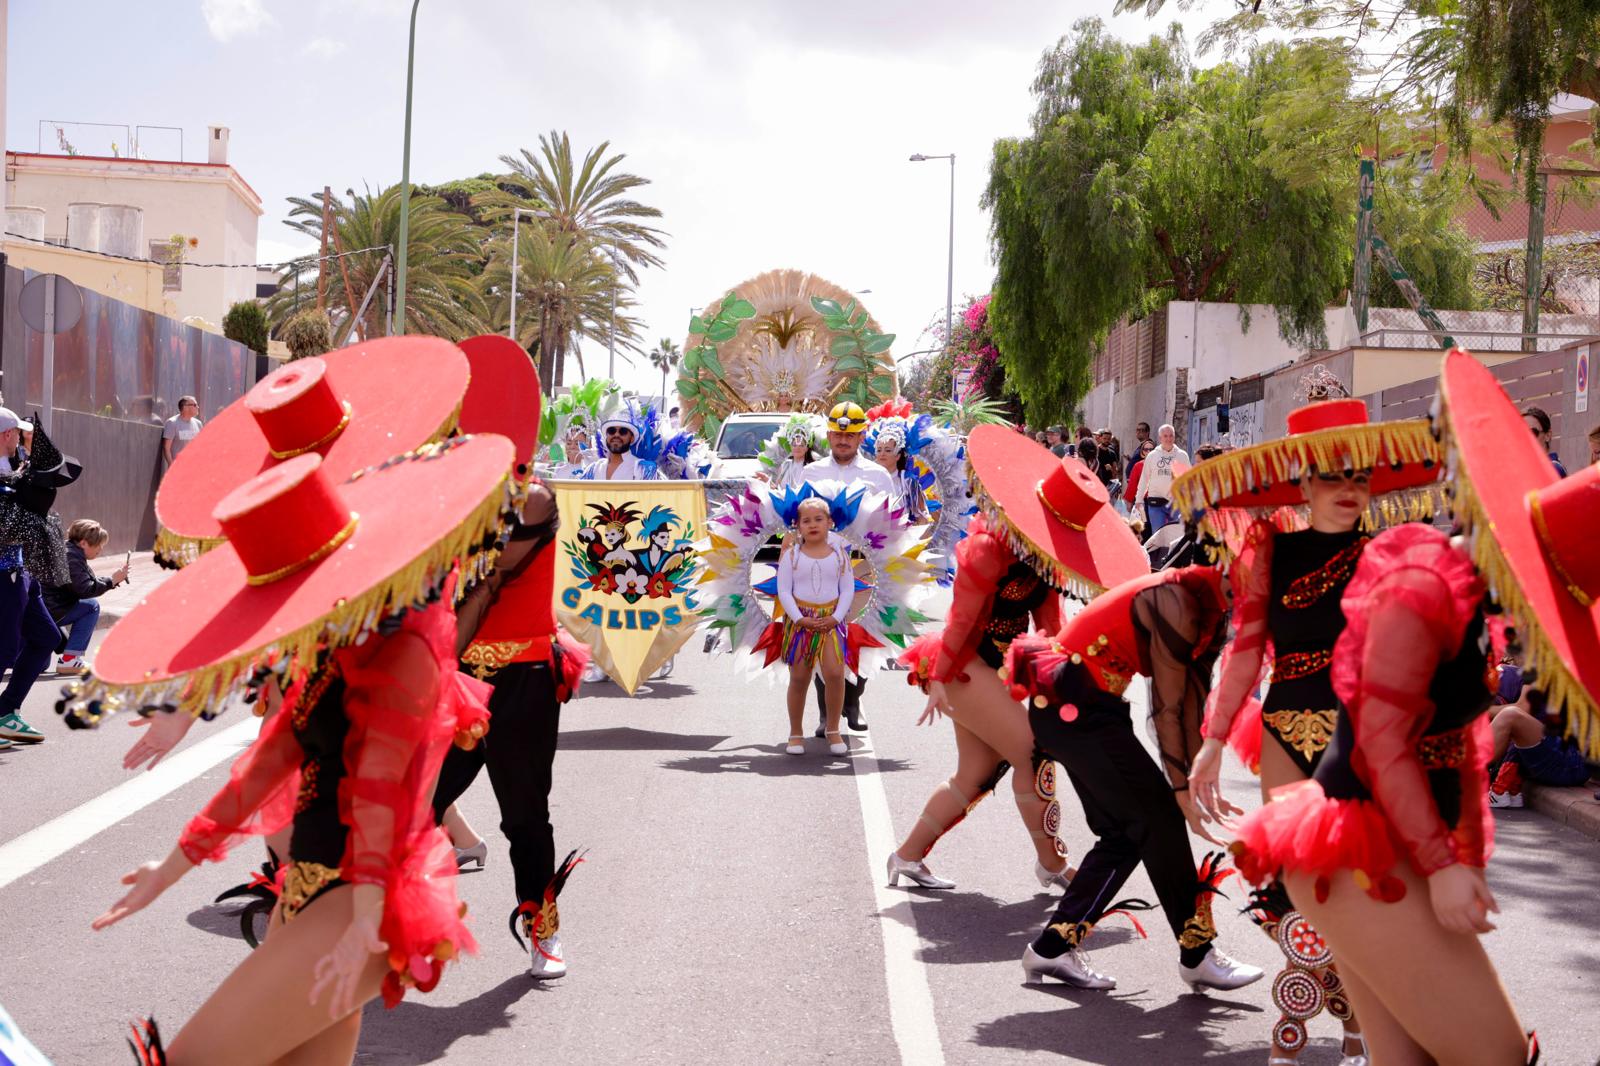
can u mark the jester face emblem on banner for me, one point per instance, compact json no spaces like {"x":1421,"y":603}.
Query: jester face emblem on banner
{"x":628,"y":591}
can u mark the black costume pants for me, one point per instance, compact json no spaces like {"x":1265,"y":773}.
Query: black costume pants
{"x":28,"y":635}
{"x":1130,"y":809}
{"x":520,"y":752}
{"x":852,"y":697}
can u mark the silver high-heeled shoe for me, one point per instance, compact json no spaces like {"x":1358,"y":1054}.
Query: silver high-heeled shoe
{"x":1061,"y":878}
{"x":1070,"y":966}
{"x":917,"y":872}
{"x":478,"y":853}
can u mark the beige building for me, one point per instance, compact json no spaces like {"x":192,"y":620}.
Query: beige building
{"x":144,"y":208}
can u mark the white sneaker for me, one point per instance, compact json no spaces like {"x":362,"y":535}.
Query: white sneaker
{"x":593,"y":674}
{"x":1070,"y":967}
{"x":546,"y":962}
{"x":1218,"y":971}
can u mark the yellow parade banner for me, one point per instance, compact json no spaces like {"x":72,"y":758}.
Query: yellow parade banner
{"x":625,"y":582}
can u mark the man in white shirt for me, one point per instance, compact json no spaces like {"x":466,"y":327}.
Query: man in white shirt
{"x":1163,"y":464}
{"x":846,"y":465}
{"x":181,"y":428}
{"x":619,"y":463}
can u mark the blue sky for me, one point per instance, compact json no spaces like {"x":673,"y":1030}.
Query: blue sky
{"x":776,"y":134}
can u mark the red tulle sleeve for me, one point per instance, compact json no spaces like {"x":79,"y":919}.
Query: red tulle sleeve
{"x":1244,"y":660}
{"x":258,"y":798}
{"x":1407,"y":609}
{"x":391,"y":696}
{"x":981,"y":560}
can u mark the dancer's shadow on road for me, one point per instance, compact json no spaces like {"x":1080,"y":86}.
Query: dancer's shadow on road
{"x":770,"y":760}
{"x":415,"y":1032}
{"x":626,"y":738}
{"x":1116,"y":1028}
{"x":971,"y":927}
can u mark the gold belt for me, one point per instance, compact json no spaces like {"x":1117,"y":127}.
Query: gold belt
{"x":301,"y":883}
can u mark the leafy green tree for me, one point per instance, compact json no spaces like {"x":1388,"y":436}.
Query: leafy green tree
{"x":564,"y":295}
{"x":1146,"y":180}
{"x":246,"y":322}
{"x":442,"y":295}
{"x":590,"y":201}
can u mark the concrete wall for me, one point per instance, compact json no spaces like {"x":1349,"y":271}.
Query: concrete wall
{"x":212,"y":203}
{"x":1213,"y":341}
{"x":121,"y":469}
{"x":138,"y":284}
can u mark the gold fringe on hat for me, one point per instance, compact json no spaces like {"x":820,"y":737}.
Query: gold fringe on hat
{"x":1539,"y":654}
{"x":1420,"y":503}
{"x":473,"y":545}
{"x":1056,"y":574}
{"x":177,"y":550}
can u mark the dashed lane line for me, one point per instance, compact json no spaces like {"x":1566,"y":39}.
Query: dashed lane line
{"x":55,"y":838}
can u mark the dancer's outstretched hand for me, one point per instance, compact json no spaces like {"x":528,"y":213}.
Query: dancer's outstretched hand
{"x":163,"y":731}
{"x":149,"y":880}
{"x":339,"y":971}
{"x":1196,"y":818}
{"x":938,"y":704}
{"x":1461,"y":899}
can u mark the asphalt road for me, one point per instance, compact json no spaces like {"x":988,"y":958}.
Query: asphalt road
{"x":731,"y":909}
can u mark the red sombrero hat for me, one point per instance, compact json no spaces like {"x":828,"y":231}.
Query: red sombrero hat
{"x":1531,"y":534}
{"x":503,"y":396}
{"x":308,"y":564}
{"x":1332,"y":435}
{"x":354,"y":407}
{"x":1052,"y":512}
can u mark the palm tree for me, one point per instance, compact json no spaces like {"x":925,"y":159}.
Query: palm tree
{"x":564,"y":295}
{"x":664,"y":356}
{"x":587,"y":201}
{"x":442,"y":296}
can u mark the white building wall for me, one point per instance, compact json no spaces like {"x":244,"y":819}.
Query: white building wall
{"x":1212,"y":341}
{"x":211,"y":203}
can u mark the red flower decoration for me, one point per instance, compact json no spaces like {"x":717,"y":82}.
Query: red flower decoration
{"x":659,"y":587}
{"x":605,"y":581}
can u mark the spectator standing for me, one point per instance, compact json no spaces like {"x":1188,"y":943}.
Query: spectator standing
{"x":1136,"y":460}
{"x":1539,"y":425}
{"x":1110,"y":456}
{"x":75,"y":606}
{"x":1141,"y":437}
{"x":12,"y":451}
{"x":1055,"y":438}
{"x":1163,"y":464}
{"x":181,"y":428}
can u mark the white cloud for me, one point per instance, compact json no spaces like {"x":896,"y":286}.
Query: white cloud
{"x":322,"y":47}
{"x":227,"y":19}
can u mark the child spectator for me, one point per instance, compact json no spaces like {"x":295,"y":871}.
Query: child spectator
{"x":75,"y":606}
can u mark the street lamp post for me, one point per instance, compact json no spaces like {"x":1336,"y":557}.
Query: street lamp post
{"x":405,"y":183}
{"x":950,"y":270}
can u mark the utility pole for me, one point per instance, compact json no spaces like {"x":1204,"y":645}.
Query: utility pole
{"x":405,"y":182}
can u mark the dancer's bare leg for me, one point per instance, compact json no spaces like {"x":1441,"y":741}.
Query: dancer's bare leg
{"x":1277,"y":770}
{"x":799,"y":689}
{"x":262,"y":1011}
{"x":1442,"y":999}
{"x":462,"y":835}
{"x":975,"y":765}
{"x":984,"y":706}
{"x":832,"y":668}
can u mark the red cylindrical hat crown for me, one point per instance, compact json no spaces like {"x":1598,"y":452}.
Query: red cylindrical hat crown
{"x":1327,"y":414}
{"x":284,"y":519}
{"x":296,"y":408}
{"x":1072,"y":493}
{"x":1564,"y":516}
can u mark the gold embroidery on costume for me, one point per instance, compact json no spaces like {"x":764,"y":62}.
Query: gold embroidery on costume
{"x":1115,"y":671}
{"x":1307,"y":732}
{"x":301,"y":882}
{"x":308,"y":787}
{"x":487,"y":657}
{"x":1298,"y":664}
{"x":1306,"y":590}
{"x":1443,"y":751}
{"x":1072,"y":932}
{"x":315,"y":689}
{"x":1199,"y":930}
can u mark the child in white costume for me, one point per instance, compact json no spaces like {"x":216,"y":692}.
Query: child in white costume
{"x":815,"y":588}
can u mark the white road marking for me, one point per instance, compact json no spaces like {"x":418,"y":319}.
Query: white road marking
{"x":33,"y":849}
{"x":916,"y":1029}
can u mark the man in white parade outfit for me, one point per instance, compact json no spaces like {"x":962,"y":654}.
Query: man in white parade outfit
{"x":618,"y":463}
{"x":845,"y":464}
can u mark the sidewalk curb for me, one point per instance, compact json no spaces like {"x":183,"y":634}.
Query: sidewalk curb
{"x":1575,"y":808}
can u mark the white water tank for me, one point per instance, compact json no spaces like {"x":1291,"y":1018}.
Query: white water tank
{"x":217,"y":144}
{"x":121,"y":230}
{"x":25,"y":222}
{"x":83,"y":225}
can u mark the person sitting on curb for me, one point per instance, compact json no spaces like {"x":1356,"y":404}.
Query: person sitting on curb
{"x":75,"y":605}
{"x":1526,"y":746}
